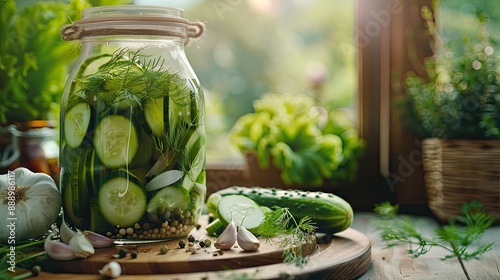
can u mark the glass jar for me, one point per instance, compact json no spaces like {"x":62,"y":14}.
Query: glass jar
{"x":132,"y":138}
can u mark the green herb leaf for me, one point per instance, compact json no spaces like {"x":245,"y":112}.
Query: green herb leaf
{"x":294,"y":235}
{"x":456,"y":239}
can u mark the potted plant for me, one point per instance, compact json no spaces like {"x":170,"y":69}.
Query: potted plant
{"x":290,"y":142}
{"x":456,"y":109}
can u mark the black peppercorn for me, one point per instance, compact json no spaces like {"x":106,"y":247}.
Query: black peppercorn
{"x":182,"y":244}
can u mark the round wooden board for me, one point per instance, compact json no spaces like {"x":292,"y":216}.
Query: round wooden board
{"x":346,"y":256}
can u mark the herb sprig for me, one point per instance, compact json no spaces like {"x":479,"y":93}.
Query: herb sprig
{"x":294,"y":235}
{"x":455,"y":239}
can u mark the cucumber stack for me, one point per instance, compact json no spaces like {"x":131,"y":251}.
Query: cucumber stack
{"x":132,"y":148}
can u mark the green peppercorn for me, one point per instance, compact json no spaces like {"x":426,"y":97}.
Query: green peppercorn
{"x":207,"y":242}
{"x":163,"y":250}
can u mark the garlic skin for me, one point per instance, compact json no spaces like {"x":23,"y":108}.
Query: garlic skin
{"x":65,"y":233}
{"x":58,"y":250}
{"x":111,"y":270}
{"x":97,"y":240}
{"x":246,"y":240}
{"x":227,"y":238}
{"x":81,"y":246}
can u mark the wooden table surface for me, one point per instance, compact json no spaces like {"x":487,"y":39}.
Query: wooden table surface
{"x":394,"y":263}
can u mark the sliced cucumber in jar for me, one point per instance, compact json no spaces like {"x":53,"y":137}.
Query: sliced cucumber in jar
{"x":169,"y":198}
{"x":121,"y":199}
{"x":154,"y":115}
{"x":116,"y":141}
{"x":76,"y":124}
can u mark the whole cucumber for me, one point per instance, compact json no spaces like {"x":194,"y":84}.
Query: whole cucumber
{"x":329,"y":213}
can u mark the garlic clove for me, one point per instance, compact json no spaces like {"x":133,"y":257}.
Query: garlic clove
{"x":66,"y":233}
{"x":58,"y":250}
{"x":246,"y":240}
{"x":98,"y":240}
{"x":81,"y":246}
{"x":111,"y":270}
{"x":227,"y":238}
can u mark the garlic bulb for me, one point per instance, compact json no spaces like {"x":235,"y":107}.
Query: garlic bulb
{"x":227,"y":238}
{"x":29,"y":204}
{"x":246,"y":240}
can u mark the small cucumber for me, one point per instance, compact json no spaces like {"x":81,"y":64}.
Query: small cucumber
{"x":116,"y":141}
{"x":240,"y":209}
{"x":74,"y":188}
{"x":330,"y":213}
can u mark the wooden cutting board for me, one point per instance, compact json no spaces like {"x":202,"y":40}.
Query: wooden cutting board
{"x":347,"y":255}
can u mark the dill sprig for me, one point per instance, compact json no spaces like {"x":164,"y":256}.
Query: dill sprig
{"x":293,"y":235}
{"x":26,"y":257}
{"x":455,"y":239}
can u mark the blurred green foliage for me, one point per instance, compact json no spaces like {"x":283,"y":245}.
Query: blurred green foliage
{"x":460,"y":96}
{"x":307,"y":143}
{"x":296,"y":47}
{"x":34,"y":61}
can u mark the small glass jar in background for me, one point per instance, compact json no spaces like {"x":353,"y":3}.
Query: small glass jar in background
{"x":132,"y":138}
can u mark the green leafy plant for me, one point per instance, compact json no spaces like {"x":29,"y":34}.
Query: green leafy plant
{"x":460,"y":95}
{"x":34,"y":61}
{"x":306,"y":142}
{"x":457,"y":237}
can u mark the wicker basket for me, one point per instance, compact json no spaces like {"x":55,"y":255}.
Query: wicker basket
{"x":459,"y":171}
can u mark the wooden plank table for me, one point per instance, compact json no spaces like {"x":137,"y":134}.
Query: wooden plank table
{"x":383,"y":263}
{"x":394,"y":263}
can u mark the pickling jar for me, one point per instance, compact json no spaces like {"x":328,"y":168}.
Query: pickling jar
{"x":132,"y":126}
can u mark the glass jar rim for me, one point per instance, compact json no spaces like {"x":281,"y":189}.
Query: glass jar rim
{"x":132,"y":10}
{"x":133,"y":20}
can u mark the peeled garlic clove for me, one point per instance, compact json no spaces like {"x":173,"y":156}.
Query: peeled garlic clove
{"x":227,"y":238}
{"x":111,"y":270}
{"x":58,"y":250}
{"x":81,"y":246}
{"x":66,"y":233}
{"x":97,"y":240}
{"x":246,"y":240}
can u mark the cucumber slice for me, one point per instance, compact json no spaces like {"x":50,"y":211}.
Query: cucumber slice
{"x":154,"y":115}
{"x":92,"y":64}
{"x":240,"y":209}
{"x":122,"y":201}
{"x":164,"y":179}
{"x":170,"y":197}
{"x":76,"y":124}
{"x":215,"y":228}
{"x":116,"y":141}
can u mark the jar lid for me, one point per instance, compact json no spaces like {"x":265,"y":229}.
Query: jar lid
{"x":133,"y":20}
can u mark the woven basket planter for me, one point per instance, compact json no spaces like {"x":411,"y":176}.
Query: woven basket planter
{"x":459,"y":171}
